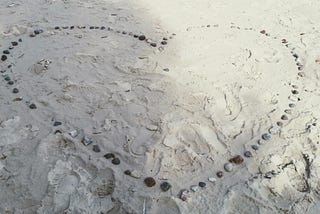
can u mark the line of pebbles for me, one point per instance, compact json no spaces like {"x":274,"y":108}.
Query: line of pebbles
{"x":184,"y":194}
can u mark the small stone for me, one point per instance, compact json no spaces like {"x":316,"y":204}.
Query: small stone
{"x":4,"y":58}
{"x":36,"y":32}
{"x":284,"y":117}
{"x":87,"y":140}
{"x":20,"y":40}
{"x":109,"y":155}
{"x":71,"y":27}
{"x":280,"y":124}
{"x":165,"y":186}
{"x":301,"y":74}
{"x":96,"y":27}
{"x":96,"y":148}
{"x":219,"y":174}
{"x":32,"y":106}
{"x":248,"y":154}
{"x":18,"y":99}
{"x":56,"y":28}
{"x":164,"y":43}
{"x":10,"y":82}
{"x":14,"y":43}
{"x":166,"y":69}
{"x":58,"y":132}
{"x":165,"y":39}
{"x":115,"y":161}
{"x":6,"y":52}
{"x":127,"y":172}
{"x":228,"y":167}
{"x":124,"y":32}
{"x":150,"y":182}
{"x":237,"y":159}
{"x":142,"y":37}
{"x":153,"y":44}
{"x":184,"y":194}
{"x":202,"y":184}
{"x":91,"y":27}
{"x":152,"y":127}
{"x":292,"y":105}
{"x":295,"y":92}
{"x":266,"y":136}
{"x":15,"y":91}
{"x":194,"y":188}
{"x":102,"y":28}
{"x":57,"y":123}
{"x":288,"y":111}
{"x":32,"y":35}
{"x":255,"y":147}
{"x":263,"y":32}
{"x":65,"y":27}
{"x":7,"y":78}
{"x":212,"y":179}
{"x":135,"y":36}
{"x":10,"y":48}
{"x":295,"y":55}
{"x":73,"y":133}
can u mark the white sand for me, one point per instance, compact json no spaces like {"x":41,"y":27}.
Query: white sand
{"x":227,"y":84}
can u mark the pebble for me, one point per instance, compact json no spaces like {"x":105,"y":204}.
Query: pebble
{"x":65,"y":27}
{"x":248,"y":154}
{"x":32,"y":106}
{"x":164,"y":43}
{"x":292,"y":105}
{"x":295,"y":92}
{"x":6,"y":52}
{"x":165,"y":39}
{"x":20,"y":40}
{"x":142,"y":37}
{"x":109,"y":155}
{"x":37,"y":31}
{"x":10,"y":82}
{"x":194,"y":188}
{"x":102,"y":28}
{"x":86,"y":140}
{"x":152,"y":127}
{"x":15,"y":91}
{"x":91,"y":27}
{"x":73,"y":133}
{"x":4,"y":58}
{"x":228,"y":167}
{"x":135,"y":174}
{"x":124,"y":32}
{"x":96,"y":148}
{"x":279,"y":123}
{"x":166,"y":69}
{"x":57,"y":123}
{"x":255,"y":147}
{"x":237,"y":159}
{"x":10,"y":48}
{"x":220,"y":174}
{"x":301,"y":74}
{"x":153,"y":44}
{"x":212,"y":179}
{"x":56,"y":28}
{"x":127,"y":172}
{"x":150,"y":182}
{"x":18,"y":99}
{"x":165,"y":186}
{"x":284,"y":117}
{"x":202,"y":184}
{"x":184,"y":194}
{"x":115,"y":161}
{"x":7,"y":78}
{"x":266,"y":136}
{"x":135,"y":36}
{"x":288,"y":111}
{"x":14,"y":43}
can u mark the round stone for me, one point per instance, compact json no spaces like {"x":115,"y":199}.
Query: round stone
{"x":10,"y":82}
{"x":295,"y":92}
{"x":194,"y":188}
{"x":103,"y":27}
{"x":219,"y":174}
{"x":7,"y":78}
{"x":255,"y":147}
{"x":115,"y":161}
{"x":164,"y":42}
{"x":248,"y":154}
{"x":96,"y":148}
{"x":266,"y":136}
{"x":284,"y":117}
{"x":56,"y":28}
{"x":6,"y":52}
{"x":109,"y":155}
{"x":127,"y":172}
{"x":228,"y":167}
{"x":202,"y":184}
{"x":14,"y":43}
{"x":4,"y":58}
{"x":237,"y":159}
{"x":292,"y":105}
{"x":165,"y":186}
{"x":150,"y":182}
{"x":91,"y":27}
{"x":15,"y":91}
{"x":32,"y":106}
{"x":153,"y":44}
{"x":142,"y":37}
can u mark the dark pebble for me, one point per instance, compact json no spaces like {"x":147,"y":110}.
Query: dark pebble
{"x":135,"y":36}
{"x":165,"y":186}
{"x":32,"y":106}
{"x":96,"y":27}
{"x":292,"y":105}
{"x":279,"y":123}
{"x":10,"y":48}
{"x":124,"y":33}
{"x":248,"y":154}
{"x":36,"y":32}
{"x":219,"y":174}
{"x":263,"y":32}
{"x":71,"y":27}
{"x":32,"y":35}
{"x":10,"y":82}
{"x":115,"y":161}
{"x":57,"y":123}
{"x":266,"y":136}
{"x":202,"y":184}
{"x":295,"y":92}
{"x":237,"y":159}
{"x":284,"y":117}
{"x":127,"y":172}
{"x":255,"y":147}
{"x":9,"y":66}
{"x":14,"y":43}
{"x":56,"y":28}
{"x":4,"y":58}
{"x":109,"y":155}
{"x":142,"y":37}
{"x":301,"y":74}
{"x":164,"y":42}
{"x":165,"y":39}
{"x":6,"y":52}
{"x":20,"y":40}
{"x":102,"y":28}
{"x":295,"y":55}
{"x":65,"y":27}
{"x":153,"y":44}
{"x":91,"y":27}
{"x":15,"y":91}
{"x":96,"y":148}
{"x":150,"y":182}
{"x":7,"y":78}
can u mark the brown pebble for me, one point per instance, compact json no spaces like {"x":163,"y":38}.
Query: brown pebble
{"x":237,"y":159}
{"x":220,"y":174}
{"x":150,"y":182}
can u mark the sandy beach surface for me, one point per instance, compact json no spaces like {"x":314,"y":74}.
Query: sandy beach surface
{"x":147,"y":107}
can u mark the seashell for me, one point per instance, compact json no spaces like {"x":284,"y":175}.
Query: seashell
{"x":184,"y":194}
{"x":194,"y":188}
{"x":73,"y":133}
{"x":228,"y":167}
{"x":212,"y":179}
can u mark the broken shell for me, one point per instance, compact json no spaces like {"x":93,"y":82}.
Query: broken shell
{"x":86,"y":140}
{"x":228,"y":167}
{"x":212,"y":179}
{"x":194,"y":188}
{"x":73,"y":133}
{"x":184,"y":194}
{"x":135,"y":174}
